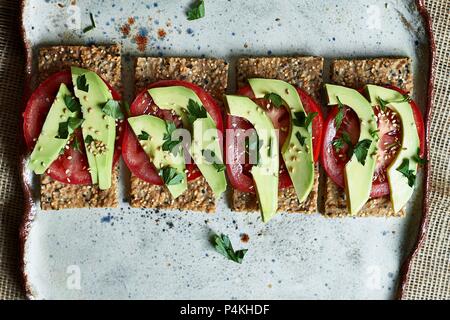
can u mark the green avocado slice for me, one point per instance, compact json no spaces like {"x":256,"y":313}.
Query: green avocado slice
{"x":297,"y":150}
{"x":207,"y":154}
{"x":204,"y":132}
{"x":401,"y":190}
{"x":49,"y":144}
{"x":150,"y":131}
{"x":358,"y":176}
{"x":265,"y":173}
{"x":99,"y":129}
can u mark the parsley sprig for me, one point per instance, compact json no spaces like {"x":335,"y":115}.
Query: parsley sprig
{"x":340,"y":115}
{"x":223,"y":245}
{"x":374,"y":133}
{"x":301,"y":139}
{"x":339,"y":143}
{"x":361,"y":149}
{"x":68,"y":127}
{"x":170,"y":145}
{"x":88,"y":140}
{"x":195,"y":111}
{"x":419,"y":159}
{"x":170,"y":176}
{"x":274,"y":98}
{"x":383,"y":103}
{"x":409,"y":174}
{"x":92,"y":26}
{"x":197,"y":11}
{"x":112,"y":109}
{"x":301,"y":119}
{"x":143,"y":135}
{"x":81,"y":83}
{"x":72,"y":103}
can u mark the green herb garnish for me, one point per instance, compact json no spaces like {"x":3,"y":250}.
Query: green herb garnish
{"x":63,"y":130}
{"x":112,"y":109}
{"x":88,"y":140}
{"x":409,"y":174}
{"x":303,"y":120}
{"x":170,"y":145}
{"x":418,"y":159}
{"x":274,"y":98}
{"x":300,"y":138}
{"x":339,"y":143}
{"x":143,"y":136}
{"x":361,"y":149}
{"x":340,"y":115}
{"x":210,"y":156}
{"x":222,"y":244}
{"x":374,"y":133}
{"x":197,"y":11}
{"x":81,"y":83}
{"x":195,"y":110}
{"x":171,"y":176}
{"x":72,"y":103}
{"x":92,"y":26}
{"x":383,"y":103}
{"x":76,"y":144}
{"x":67,"y":127}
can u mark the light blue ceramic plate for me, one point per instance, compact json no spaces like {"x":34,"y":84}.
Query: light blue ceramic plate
{"x":129,"y":253}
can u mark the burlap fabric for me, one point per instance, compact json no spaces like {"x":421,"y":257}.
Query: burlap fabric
{"x":429,"y":274}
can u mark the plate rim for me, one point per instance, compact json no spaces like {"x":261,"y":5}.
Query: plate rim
{"x":405,"y":268}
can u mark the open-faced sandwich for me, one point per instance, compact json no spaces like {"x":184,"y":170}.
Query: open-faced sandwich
{"x":173,"y":141}
{"x":72,"y":126}
{"x":274,"y":135}
{"x":373,"y":138}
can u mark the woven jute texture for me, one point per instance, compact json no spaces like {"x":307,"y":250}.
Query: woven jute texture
{"x":429,"y":276}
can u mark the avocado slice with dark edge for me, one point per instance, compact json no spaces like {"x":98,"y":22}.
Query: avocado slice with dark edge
{"x":401,"y":190}
{"x":204,"y":132}
{"x":265,"y":173}
{"x":49,"y":143}
{"x":358,"y":176}
{"x":93,"y":93}
{"x":297,"y":151}
{"x":150,"y":131}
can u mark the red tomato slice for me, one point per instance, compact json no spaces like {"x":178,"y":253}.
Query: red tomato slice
{"x":239,"y":175}
{"x":132,"y":152}
{"x":388,"y":146}
{"x":72,"y":166}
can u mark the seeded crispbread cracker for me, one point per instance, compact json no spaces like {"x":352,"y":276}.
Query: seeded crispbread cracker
{"x":356,"y":74}
{"x":105,"y":61}
{"x":211,"y":75}
{"x":303,"y":72}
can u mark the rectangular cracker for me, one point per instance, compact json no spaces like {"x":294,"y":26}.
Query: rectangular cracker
{"x":104,"y":60}
{"x":356,"y":74}
{"x":303,"y":72}
{"x":211,"y":75}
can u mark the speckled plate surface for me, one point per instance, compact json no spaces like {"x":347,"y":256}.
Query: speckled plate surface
{"x":129,"y":253}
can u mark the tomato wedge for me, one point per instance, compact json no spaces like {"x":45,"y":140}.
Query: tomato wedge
{"x":132,"y":152}
{"x":71,"y":166}
{"x":239,"y":174}
{"x":389,"y":125}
